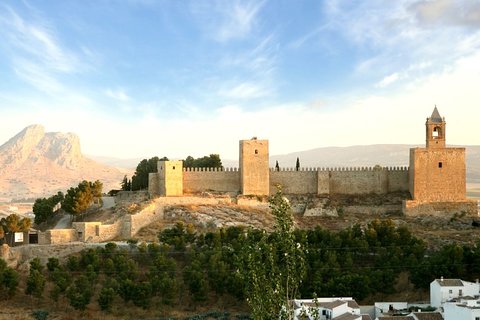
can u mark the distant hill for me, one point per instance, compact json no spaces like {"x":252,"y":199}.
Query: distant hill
{"x":36,"y":163}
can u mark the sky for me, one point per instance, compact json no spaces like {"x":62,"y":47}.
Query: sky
{"x":143,"y":78}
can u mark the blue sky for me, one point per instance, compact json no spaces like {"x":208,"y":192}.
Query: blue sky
{"x":138,"y":78}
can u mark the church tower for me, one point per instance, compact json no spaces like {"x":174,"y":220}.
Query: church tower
{"x":435,"y":126}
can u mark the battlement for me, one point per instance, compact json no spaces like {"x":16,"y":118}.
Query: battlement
{"x":346,"y":169}
{"x":222,"y":169}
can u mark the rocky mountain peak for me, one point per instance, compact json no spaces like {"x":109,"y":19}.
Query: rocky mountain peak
{"x":35,"y":162}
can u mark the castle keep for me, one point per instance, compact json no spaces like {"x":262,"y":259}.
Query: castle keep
{"x":435,"y":179}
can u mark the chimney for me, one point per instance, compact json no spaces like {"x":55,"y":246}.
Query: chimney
{"x":441,"y":278}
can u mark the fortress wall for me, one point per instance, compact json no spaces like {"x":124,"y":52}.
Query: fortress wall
{"x":294,"y":182}
{"x":153,"y":212}
{"x":323,"y":182}
{"x":398,"y":179}
{"x":358,"y":181}
{"x":208,"y":179}
{"x":55,"y":236}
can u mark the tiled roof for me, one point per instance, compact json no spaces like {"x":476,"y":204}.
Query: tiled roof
{"x":329,"y":305}
{"x":436,"y":116}
{"x":428,"y":315}
{"x":450,"y":282}
{"x":347,"y":316}
{"x":353,"y":304}
{"x":396,"y":318}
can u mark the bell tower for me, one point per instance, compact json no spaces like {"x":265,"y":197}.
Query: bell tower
{"x":435,"y":126}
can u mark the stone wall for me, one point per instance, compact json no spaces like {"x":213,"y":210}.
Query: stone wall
{"x":294,"y":182}
{"x":438,"y":174}
{"x":368,"y":180}
{"x":154,"y":211}
{"x":197,"y":180}
{"x":55,"y":236}
{"x":305,"y":181}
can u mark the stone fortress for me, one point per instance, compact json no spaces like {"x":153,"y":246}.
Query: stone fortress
{"x":435,"y":179}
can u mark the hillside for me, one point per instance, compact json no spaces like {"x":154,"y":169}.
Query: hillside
{"x":36,"y":163}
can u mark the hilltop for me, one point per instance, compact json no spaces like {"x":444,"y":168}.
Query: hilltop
{"x":36,"y":163}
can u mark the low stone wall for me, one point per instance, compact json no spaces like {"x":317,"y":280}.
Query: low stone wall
{"x":154,"y":211}
{"x":56,"y":236}
{"x":131,"y":196}
{"x":412,"y":207}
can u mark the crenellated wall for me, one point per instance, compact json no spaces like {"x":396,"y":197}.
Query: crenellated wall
{"x":196,"y":180}
{"x":303,"y":181}
{"x":340,"y":180}
{"x":357,"y":180}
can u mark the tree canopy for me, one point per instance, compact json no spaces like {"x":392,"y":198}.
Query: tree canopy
{"x":144,"y":168}
{"x":80,"y":198}
{"x":211,"y":161}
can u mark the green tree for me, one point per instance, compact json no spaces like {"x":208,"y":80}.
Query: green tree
{"x":36,"y":280}
{"x":8,"y":280}
{"x":297,"y":164}
{"x":79,"y":199}
{"x":194,"y":277}
{"x":274,"y":266}
{"x":43,"y":207}
{"x":144,"y":168}
{"x":211,"y":161}
{"x":80,"y":293}
{"x":124,"y":184}
{"x":277,"y":167}
{"x":105,"y":298}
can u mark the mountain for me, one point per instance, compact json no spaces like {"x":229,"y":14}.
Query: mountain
{"x":36,"y":163}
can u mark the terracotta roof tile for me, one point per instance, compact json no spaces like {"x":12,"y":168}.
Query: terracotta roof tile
{"x":428,"y":315}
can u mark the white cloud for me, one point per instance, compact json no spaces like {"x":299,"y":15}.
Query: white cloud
{"x":388,"y":80}
{"x":244,"y":90}
{"x":36,"y":55}
{"x":118,"y":94}
{"x":227,"y":20}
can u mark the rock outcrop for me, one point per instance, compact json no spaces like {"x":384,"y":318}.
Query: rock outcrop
{"x":37,"y":163}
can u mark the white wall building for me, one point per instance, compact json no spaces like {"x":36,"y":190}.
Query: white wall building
{"x":443,"y":290}
{"x":328,"y":309}
{"x":464,"y":309}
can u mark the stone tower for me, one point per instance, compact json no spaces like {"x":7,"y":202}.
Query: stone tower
{"x":437,"y":173}
{"x":254,"y":169}
{"x":170,"y":178}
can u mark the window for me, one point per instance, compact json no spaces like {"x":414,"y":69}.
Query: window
{"x":460,"y":292}
{"x":324,"y":312}
{"x":450,"y":291}
{"x":477,"y":318}
{"x":440,"y":164}
{"x":256,"y":151}
{"x":173,"y":167}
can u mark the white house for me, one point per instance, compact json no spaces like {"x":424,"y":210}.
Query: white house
{"x":328,"y":309}
{"x":463,"y":309}
{"x":443,"y":290}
